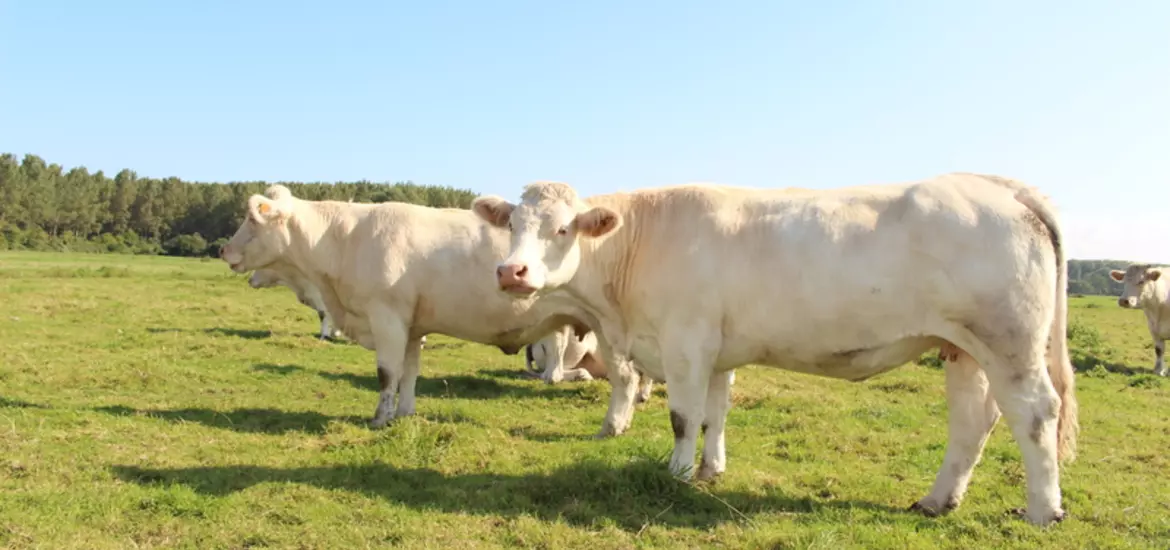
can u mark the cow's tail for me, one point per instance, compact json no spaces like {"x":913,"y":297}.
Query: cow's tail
{"x":1060,"y":368}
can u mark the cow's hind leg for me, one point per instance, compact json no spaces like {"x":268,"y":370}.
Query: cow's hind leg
{"x":645,"y":388}
{"x":410,"y":368}
{"x":390,"y":339}
{"x":714,"y":460}
{"x":1031,"y":406}
{"x":624,"y":383}
{"x":324,"y":325}
{"x":972,"y":413}
{"x":1159,"y":357}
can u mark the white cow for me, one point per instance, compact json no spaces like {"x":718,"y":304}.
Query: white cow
{"x":578,"y":352}
{"x":305,"y":291}
{"x":391,"y":273}
{"x":694,"y":281}
{"x":1145,"y":288}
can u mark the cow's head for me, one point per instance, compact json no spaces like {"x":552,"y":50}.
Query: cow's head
{"x":263,"y":236}
{"x":1138,"y":280}
{"x":264,"y":278}
{"x":545,"y":228}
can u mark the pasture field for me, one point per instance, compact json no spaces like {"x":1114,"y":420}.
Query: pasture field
{"x":151,"y":402}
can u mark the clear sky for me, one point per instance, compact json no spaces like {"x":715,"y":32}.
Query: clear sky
{"x":609,"y":95}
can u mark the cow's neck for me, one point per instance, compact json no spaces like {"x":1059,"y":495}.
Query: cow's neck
{"x":315,"y":241}
{"x":1157,"y":307}
{"x":608,"y":267}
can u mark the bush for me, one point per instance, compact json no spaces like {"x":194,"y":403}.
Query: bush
{"x":186,"y":245}
{"x":36,"y":239}
{"x":215,"y":247}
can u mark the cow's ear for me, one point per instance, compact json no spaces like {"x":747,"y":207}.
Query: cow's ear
{"x":493,"y":210}
{"x":1153,"y":274}
{"x":598,"y":222}
{"x":1117,"y":275}
{"x":262,"y":210}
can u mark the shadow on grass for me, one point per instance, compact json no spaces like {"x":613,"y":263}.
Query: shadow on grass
{"x":1084,"y":362}
{"x":1087,"y":362}
{"x":483,"y":385}
{"x":540,"y":435}
{"x":272,"y":368}
{"x":631,"y":496}
{"x":9,"y":403}
{"x":238,"y":333}
{"x":269,"y":421}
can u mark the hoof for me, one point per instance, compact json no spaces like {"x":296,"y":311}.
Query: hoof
{"x":378,"y":423}
{"x":948,"y":352}
{"x":1056,"y":517}
{"x":932,"y":511}
{"x":921,"y":508}
{"x":707,"y":473}
{"x":608,"y":430}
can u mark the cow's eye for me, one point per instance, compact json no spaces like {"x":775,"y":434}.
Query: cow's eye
{"x":562,"y":231}
{"x":509,"y":226}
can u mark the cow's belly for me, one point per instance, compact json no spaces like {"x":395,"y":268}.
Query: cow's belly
{"x":854,"y":364}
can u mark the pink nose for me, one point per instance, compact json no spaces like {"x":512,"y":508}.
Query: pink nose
{"x":511,"y":274}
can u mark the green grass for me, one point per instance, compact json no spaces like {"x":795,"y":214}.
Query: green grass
{"x":159,"y":402}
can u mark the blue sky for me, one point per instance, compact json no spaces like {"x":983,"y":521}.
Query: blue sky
{"x":609,"y":95}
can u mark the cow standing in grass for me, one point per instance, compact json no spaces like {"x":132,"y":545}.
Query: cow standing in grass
{"x":694,"y":281}
{"x":305,"y":291}
{"x":1146,"y":289}
{"x":391,"y":273}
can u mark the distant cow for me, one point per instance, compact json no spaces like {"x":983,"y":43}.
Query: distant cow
{"x":393,"y":272}
{"x":693,"y":281}
{"x":305,"y":291}
{"x":1145,"y":288}
{"x":581,"y":353}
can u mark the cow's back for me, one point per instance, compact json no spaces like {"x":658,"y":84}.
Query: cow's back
{"x":799,"y":273}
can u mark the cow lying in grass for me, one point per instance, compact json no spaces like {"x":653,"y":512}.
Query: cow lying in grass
{"x":581,"y":352}
{"x":391,"y":273}
{"x":694,"y":281}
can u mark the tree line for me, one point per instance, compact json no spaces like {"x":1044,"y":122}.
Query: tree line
{"x":46,"y":207}
{"x":1091,"y":277}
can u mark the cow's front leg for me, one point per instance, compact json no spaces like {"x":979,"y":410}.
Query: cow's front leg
{"x":390,"y":339}
{"x":1159,"y":359}
{"x":687,"y":381}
